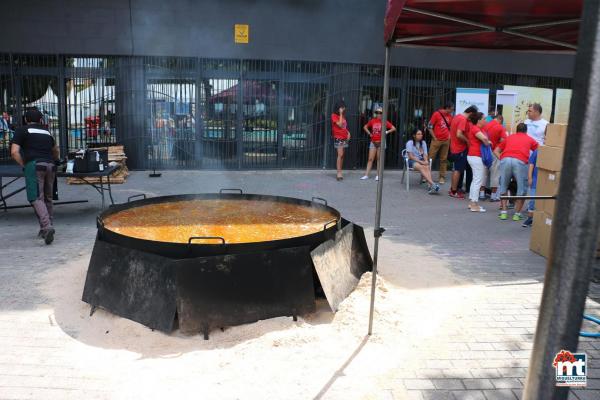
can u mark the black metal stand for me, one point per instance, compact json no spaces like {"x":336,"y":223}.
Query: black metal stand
{"x":154,"y":174}
{"x":378,"y":230}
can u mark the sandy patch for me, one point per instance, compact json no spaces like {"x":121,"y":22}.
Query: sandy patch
{"x":322,"y":355}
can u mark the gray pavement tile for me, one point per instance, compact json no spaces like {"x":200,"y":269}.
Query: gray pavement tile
{"x":478,"y":384}
{"x":505,"y":394}
{"x":486,"y":373}
{"x":587,"y":394}
{"x":448,"y":384}
{"x":437,"y":395}
{"x":468,"y":395}
{"x":507,"y":383}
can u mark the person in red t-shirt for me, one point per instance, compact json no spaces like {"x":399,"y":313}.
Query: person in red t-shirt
{"x":496,"y":133}
{"x":439,"y":129}
{"x":341,"y":135}
{"x":459,"y":129}
{"x":514,"y":154}
{"x":373,"y":129}
{"x":476,"y":139}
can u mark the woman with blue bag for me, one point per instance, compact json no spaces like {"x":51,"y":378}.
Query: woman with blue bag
{"x":475,"y":159}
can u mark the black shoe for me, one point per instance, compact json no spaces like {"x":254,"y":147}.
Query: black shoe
{"x":527,"y":223}
{"x":40,"y":234}
{"x":48,"y":236}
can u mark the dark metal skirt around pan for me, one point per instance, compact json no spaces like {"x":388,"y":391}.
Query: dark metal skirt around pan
{"x":199,"y":286}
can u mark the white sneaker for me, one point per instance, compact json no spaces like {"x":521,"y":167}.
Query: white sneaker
{"x":377,"y":178}
{"x":364,"y":177}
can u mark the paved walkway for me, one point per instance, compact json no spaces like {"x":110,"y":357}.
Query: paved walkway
{"x":456,"y":309}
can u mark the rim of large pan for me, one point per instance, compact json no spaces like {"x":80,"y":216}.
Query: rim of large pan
{"x":319,"y":203}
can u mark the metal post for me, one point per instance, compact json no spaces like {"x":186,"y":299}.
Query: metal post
{"x":575,"y":226}
{"x":17,"y":78}
{"x":281,"y":114}
{"x":199,"y":115}
{"x":378,"y":230}
{"x":239,"y":116}
{"x":62,"y":108}
{"x":327,"y":127}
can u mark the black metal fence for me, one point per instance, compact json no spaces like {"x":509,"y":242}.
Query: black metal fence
{"x":190,"y":113}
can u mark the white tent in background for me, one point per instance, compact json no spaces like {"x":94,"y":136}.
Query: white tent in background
{"x":48,"y":98}
{"x":87,"y":102}
{"x":80,"y":104}
{"x":48,"y":102}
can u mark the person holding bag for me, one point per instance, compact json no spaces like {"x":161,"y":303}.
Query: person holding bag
{"x":476,"y":139}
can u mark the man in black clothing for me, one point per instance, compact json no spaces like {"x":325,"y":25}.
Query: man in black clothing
{"x":39,"y":152}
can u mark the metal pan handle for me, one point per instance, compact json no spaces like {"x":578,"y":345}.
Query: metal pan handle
{"x":231,"y":190}
{"x":528,"y":197}
{"x":136,"y":195}
{"x":329,"y":223}
{"x":206,"y":238}
{"x":319,"y":198}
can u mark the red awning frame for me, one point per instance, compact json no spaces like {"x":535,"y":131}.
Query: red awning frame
{"x":484,"y":28}
{"x":577,"y":221}
{"x":416,"y":22}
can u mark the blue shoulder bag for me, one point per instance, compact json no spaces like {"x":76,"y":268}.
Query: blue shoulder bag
{"x":486,"y":155}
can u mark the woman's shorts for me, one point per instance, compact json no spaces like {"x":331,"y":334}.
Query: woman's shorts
{"x":512,"y":167}
{"x":340,"y":143}
{"x":411,"y":163}
{"x":374,"y":145}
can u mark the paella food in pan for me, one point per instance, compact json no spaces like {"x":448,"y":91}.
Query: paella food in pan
{"x":236,"y":221}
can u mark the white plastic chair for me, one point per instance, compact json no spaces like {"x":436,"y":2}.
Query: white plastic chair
{"x":407,"y":168}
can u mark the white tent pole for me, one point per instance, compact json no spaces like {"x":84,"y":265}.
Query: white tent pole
{"x":378,"y":230}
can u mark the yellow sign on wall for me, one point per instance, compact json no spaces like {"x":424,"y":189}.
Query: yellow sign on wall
{"x":242,"y":33}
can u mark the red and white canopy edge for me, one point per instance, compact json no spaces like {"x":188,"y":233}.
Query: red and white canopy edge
{"x":533,"y":26}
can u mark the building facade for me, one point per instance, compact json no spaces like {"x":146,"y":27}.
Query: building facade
{"x":168,"y":80}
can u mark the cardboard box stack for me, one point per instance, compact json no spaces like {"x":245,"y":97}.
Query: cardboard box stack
{"x":549,"y":164}
{"x":116,"y":154}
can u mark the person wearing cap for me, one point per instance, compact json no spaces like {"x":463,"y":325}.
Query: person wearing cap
{"x":373,"y":129}
{"x":39,"y":151}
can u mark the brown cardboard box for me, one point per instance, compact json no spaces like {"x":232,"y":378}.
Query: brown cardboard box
{"x":547,"y":206}
{"x":547,"y":185}
{"x":556,"y":135}
{"x":550,"y":158}
{"x":540,"y":233}
{"x":547,"y":182}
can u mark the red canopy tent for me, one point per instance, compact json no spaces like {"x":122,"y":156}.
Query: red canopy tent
{"x":492,"y":24}
{"x":538,"y":26}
